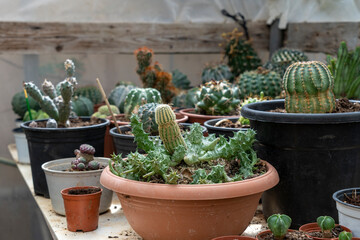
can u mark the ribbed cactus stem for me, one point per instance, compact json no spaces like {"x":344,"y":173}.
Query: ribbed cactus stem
{"x":33,"y":91}
{"x":309,"y":88}
{"x":169,"y":131}
{"x":48,"y":105}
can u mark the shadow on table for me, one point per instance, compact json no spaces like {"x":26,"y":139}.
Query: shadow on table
{"x":20,"y":217}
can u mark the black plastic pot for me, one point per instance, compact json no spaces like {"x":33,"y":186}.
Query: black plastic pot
{"x":227,"y":132}
{"x":46,"y":144}
{"x":124,"y":144}
{"x":314,"y":154}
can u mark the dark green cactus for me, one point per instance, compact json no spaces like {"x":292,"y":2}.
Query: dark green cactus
{"x":180,"y":80}
{"x":169,"y":130}
{"x":239,"y":53}
{"x":186,"y":99}
{"x":344,"y":235}
{"x":217,"y":73}
{"x":19,"y":106}
{"x":147,"y":117}
{"x":279,"y":225}
{"x":326,"y":223}
{"x":117,"y":96}
{"x":138,"y":97}
{"x":252,"y":83}
{"x":309,"y":88}
{"x":82,"y":106}
{"x":90,"y":92}
{"x":57,"y":106}
{"x":217,"y":98}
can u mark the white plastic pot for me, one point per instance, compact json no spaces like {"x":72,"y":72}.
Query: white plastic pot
{"x":349,"y":215}
{"x":21,"y":146}
{"x":58,"y":179}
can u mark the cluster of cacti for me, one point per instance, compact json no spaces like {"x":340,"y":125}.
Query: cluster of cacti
{"x":180,"y":80}
{"x":154,"y":76}
{"x":90,"y":92}
{"x":279,"y":225}
{"x":326,"y":223}
{"x":82,"y":106}
{"x":217,"y":98}
{"x":254,"y":82}
{"x":283,"y":58}
{"x":217,"y":73}
{"x":309,"y":88}
{"x":118,"y":95}
{"x":57,"y":102}
{"x":239,"y":53}
{"x":138,"y":97}
{"x":84,"y":159}
{"x":104,"y":112}
{"x":19,"y":106}
{"x":169,"y":130}
{"x":147,"y":117}
{"x":36,"y":115}
{"x":186,"y":99}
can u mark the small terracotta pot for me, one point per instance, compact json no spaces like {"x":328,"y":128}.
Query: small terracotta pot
{"x":314,"y":227}
{"x":234,"y":237}
{"x":193,"y":117}
{"x":260,"y":235}
{"x":82,"y":211}
{"x":109,"y":147}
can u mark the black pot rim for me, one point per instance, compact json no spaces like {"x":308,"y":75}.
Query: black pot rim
{"x":26,"y":127}
{"x":210,"y":124}
{"x":337,"y":194}
{"x":259,"y":111}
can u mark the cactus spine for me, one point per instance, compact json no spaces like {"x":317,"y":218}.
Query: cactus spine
{"x":169,"y":131}
{"x":138,"y":97}
{"x":57,"y":106}
{"x":309,"y":88}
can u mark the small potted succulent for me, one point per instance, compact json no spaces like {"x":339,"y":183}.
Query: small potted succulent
{"x":183,"y":180}
{"x":344,"y":235}
{"x":56,"y":137}
{"x":323,"y":228}
{"x":82,"y":207}
{"x":348,"y":206}
{"x":82,"y":170}
{"x":279,"y":229}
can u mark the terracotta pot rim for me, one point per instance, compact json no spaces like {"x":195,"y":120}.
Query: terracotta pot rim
{"x":65,"y":191}
{"x":234,"y":236}
{"x":178,"y":120}
{"x":187,"y":112}
{"x":190,"y":191}
{"x":269,"y":231}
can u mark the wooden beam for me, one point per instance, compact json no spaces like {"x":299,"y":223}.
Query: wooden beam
{"x":44,"y":37}
{"x":322,"y":37}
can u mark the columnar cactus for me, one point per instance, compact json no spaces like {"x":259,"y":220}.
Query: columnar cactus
{"x":252,"y":83}
{"x":57,"y":103}
{"x":279,"y":225}
{"x":309,"y":88}
{"x":117,"y":95}
{"x":90,"y":92}
{"x":217,"y":73}
{"x":326,"y":224}
{"x":138,"y":97}
{"x":217,"y":98}
{"x":84,"y":159}
{"x":147,"y":116}
{"x":169,"y":130}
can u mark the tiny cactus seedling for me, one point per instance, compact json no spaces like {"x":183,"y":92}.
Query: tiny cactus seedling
{"x":309,"y":88}
{"x":279,"y":225}
{"x":84,"y":159}
{"x":326,"y":224}
{"x":344,"y":235}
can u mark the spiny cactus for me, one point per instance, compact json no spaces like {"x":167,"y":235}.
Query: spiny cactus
{"x":82,"y":106}
{"x":279,"y":225}
{"x":254,"y":82}
{"x":154,"y":76}
{"x":169,"y":130}
{"x":103,"y":111}
{"x":147,"y":116}
{"x":240,"y":55}
{"x":19,"y":106}
{"x":138,"y":97}
{"x":217,"y":98}
{"x":117,"y":96}
{"x":180,"y":80}
{"x":84,"y":159}
{"x":57,"y":106}
{"x":309,"y":88}
{"x":186,"y":99}
{"x":326,"y":223}
{"x":90,"y":92}
{"x":217,"y":73}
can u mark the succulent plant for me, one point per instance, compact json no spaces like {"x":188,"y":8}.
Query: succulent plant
{"x":244,"y":121}
{"x":279,"y":225}
{"x":309,"y":88}
{"x":36,"y":115}
{"x":84,"y":159}
{"x":147,"y":117}
{"x":186,"y":99}
{"x":326,"y":223}
{"x":254,"y":82}
{"x":57,"y":106}
{"x":344,"y":235}
{"x":217,"y":73}
{"x":103,"y":111}
{"x":90,"y":92}
{"x":180,"y":80}
{"x":117,"y":96}
{"x":82,"y":106}
{"x":240,"y":55}
{"x":138,"y":97}
{"x":217,"y":98}
{"x":19,"y":106}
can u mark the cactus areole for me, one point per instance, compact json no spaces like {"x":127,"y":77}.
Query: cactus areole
{"x":309,"y":88}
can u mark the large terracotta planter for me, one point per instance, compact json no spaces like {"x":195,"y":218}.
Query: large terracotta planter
{"x":233,"y":237}
{"x":193,"y":117}
{"x":163,"y":211}
{"x":314,"y":227}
